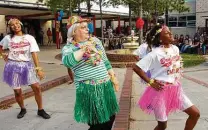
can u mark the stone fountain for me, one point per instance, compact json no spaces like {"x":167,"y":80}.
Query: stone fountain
{"x":131,"y":42}
{"x":123,"y":57}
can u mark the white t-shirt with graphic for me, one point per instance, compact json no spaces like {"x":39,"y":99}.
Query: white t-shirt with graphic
{"x":164,"y":64}
{"x":20,"y":47}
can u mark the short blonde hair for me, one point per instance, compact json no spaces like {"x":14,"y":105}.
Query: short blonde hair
{"x":72,"y":29}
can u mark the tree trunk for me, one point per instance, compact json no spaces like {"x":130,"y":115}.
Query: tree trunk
{"x":101,"y":18}
{"x":88,"y":6}
{"x":79,"y":10}
{"x":141,"y":30}
{"x":166,"y":14}
{"x":69,"y":13}
{"x":156,"y":19}
{"x":130,"y":16}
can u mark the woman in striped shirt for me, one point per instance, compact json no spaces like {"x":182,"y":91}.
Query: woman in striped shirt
{"x":94,"y":78}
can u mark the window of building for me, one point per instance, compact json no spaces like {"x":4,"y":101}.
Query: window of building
{"x":172,"y":21}
{"x":182,"y":21}
{"x":182,"y":18}
{"x":181,"y":24}
{"x":191,"y":17}
{"x":191,"y":21}
{"x":191,"y":24}
{"x":172,"y":18}
{"x":172,"y":24}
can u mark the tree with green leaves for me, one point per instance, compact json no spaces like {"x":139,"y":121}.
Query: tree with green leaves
{"x":66,"y":5}
{"x":152,"y":7}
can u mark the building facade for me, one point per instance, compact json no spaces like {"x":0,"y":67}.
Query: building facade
{"x":185,"y":22}
{"x":202,"y":14}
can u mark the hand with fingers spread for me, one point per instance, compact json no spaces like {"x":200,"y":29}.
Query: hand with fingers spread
{"x":156,"y":84}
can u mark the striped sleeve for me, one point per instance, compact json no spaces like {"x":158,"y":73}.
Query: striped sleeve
{"x":68,"y":58}
{"x":104,"y":57}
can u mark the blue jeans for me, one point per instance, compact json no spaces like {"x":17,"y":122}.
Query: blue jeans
{"x":184,"y":48}
{"x":204,"y":49}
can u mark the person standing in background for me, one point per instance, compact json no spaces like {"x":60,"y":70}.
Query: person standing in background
{"x":1,"y":36}
{"x":49,"y":35}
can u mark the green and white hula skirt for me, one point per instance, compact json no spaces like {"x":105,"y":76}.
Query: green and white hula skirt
{"x":95,"y":101}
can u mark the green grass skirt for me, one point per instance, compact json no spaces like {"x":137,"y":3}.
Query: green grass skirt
{"x":95,"y":103}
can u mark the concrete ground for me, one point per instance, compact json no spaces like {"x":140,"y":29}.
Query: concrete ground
{"x":50,"y":66}
{"x":58,"y":102}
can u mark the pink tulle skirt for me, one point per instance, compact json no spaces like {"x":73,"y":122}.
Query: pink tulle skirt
{"x":161,"y":103}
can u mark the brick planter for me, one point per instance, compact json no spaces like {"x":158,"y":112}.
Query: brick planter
{"x":120,"y":56}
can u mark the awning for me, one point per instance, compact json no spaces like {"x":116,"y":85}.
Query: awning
{"x":25,"y":9}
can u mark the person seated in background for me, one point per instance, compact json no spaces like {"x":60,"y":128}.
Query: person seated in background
{"x":187,"y":46}
{"x":1,"y":36}
{"x":196,"y":45}
{"x":205,"y":46}
{"x":181,"y":41}
{"x":188,"y":43}
{"x":176,"y":40}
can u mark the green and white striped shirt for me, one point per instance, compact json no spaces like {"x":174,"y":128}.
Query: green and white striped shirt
{"x":83,"y":71}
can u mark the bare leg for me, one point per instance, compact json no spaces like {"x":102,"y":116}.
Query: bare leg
{"x":38,"y":95}
{"x":19,"y":97}
{"x":194,"y":115}
{"x":71,"y":76}
{"x":161,"y":125}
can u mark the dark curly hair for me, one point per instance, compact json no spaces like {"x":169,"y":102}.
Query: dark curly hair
{"x":153,"y":37}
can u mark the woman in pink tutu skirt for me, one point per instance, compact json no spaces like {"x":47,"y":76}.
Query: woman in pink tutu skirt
{"x":164,"y":93}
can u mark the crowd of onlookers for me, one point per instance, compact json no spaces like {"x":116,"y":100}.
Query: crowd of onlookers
{"x":196,"y":45}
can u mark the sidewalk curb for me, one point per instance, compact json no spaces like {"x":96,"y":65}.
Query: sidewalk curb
{"x":10,"y":99}
{"x":196,"y":80}
{"x":122,"y":118}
